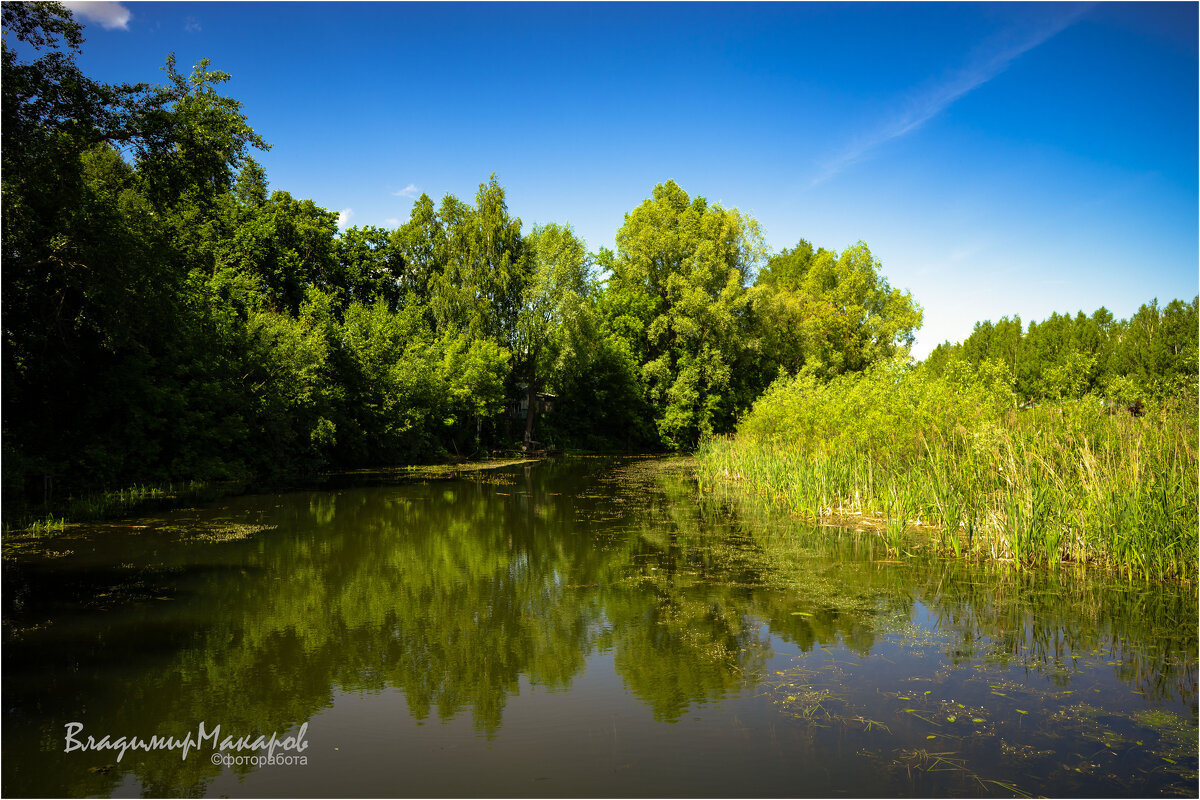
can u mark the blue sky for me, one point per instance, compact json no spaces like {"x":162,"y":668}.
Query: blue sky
{"x":999,"y":159}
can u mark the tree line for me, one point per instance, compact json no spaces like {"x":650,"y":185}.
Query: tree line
{"x":1151,"y":355}
{"x":167,"y":315}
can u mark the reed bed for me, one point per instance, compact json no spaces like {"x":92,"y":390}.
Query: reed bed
{"x":1065,"y":482}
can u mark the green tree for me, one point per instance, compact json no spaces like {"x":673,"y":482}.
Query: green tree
{"x":854,"y":318}
{"x":479,"y":286}
{"x":370,"y":266}
{"x":557,"y":279}
{"x":789,"y":269}
{"x":422,"y":246}
{"x":392,"y":396}
{"x":191,"y":140}
{"x":68,"y":209}
{"x":1151,"y":355}
{"x":681,"y":269}
{"x":473,"y":373}
{"x":1156,"y":349}
{"x":827,"y":314}
{"x":597,"y":377}
{"x":287,"y":360}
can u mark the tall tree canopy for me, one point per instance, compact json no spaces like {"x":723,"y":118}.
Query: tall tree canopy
{"x":830,"y":313}
{"x":556,"y":281}
{"x":680,"y":276}
{"x":481,"y":279}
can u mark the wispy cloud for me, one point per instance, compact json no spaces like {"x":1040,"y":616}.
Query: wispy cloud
{"x":192,"y":25}
{"x":108,"y":13}
{"x":344,"y":217}
{"x":411,"y":191}
{"x":392,"y":222}
{"x":992,"y":58}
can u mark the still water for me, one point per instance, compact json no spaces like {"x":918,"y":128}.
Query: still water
{"x":580,"y":627}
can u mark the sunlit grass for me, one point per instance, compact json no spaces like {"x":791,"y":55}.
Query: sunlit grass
{"x":1064,"y":482}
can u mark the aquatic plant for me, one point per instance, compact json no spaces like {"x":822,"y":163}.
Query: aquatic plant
{"x":1064,"y":482}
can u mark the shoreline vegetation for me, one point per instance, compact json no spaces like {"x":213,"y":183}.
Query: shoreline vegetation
{"x":959,"y":467}
{"x":134,"y":500}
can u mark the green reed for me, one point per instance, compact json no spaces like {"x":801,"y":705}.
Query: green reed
{"x":1061,"y":483}
{"x":116,"y":503}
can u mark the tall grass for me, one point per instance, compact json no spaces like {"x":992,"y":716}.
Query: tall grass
{"x":1061,"y":483}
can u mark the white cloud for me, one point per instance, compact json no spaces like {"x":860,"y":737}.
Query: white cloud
{"x":392,"y":222}
{"x":192,"y":25}
{"x":108,"y":13}
{"x":991,"y":59}
{"x":344,"y":216}
{"x":412,"y":190}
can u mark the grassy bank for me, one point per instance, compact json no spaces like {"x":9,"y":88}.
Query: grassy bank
{"x":1062,"y":482}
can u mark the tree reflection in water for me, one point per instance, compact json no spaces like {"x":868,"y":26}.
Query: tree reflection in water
{"x":455,"y":591}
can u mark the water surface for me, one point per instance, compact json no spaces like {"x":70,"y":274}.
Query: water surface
{"x":580,"y":627}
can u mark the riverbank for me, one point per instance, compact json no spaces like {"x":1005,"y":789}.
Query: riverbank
{"x":1064,"y":482}
{"x":133,"y":500}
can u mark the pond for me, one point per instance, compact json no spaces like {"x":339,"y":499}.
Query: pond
{"x":577,"y":627}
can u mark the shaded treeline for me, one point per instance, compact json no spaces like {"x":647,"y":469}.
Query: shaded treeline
{"x":169,"y":317}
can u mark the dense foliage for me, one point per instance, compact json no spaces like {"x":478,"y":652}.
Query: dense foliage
{"x":1153,"y":354}
{"x":170,"y":317}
